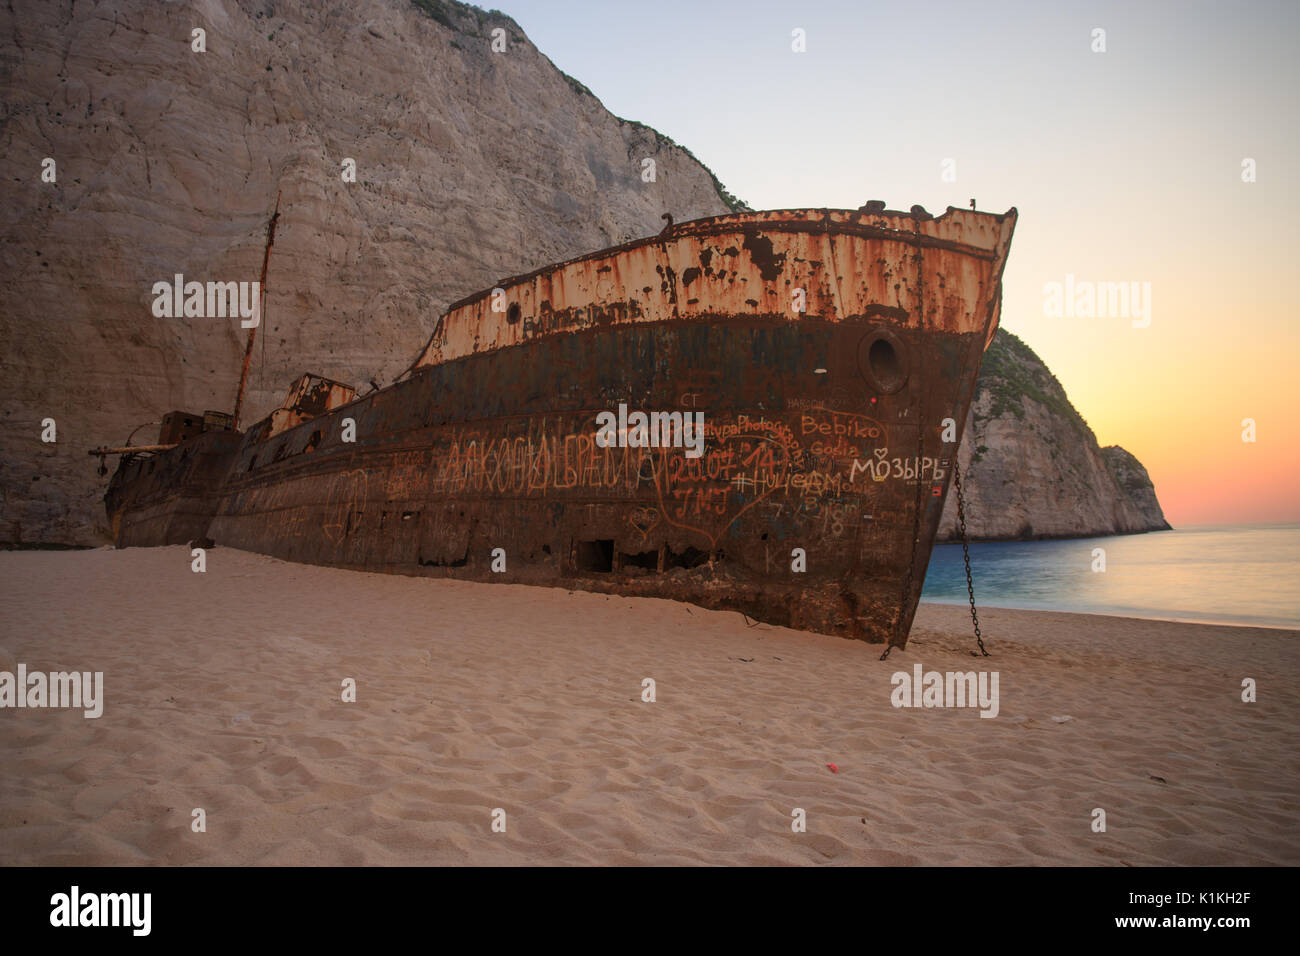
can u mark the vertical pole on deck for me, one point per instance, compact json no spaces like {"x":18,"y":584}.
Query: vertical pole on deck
{"x":252,"y":333}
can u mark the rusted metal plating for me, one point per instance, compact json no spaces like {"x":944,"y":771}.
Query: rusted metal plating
{"x":850,"y":265}
{"x":308,"y":397}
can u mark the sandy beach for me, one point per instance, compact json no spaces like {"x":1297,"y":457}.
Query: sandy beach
{"x":222,"y":691}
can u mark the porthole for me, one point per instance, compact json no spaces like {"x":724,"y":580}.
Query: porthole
{"x":882,"y":360}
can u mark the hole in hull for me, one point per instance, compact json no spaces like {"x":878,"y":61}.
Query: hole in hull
{"x":690,"y":558}
{"x":596,"y":555}
{"x":435,"y":563}
{"x":645,"y":559}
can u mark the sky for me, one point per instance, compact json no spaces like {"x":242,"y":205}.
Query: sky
{"x":1126,"y":166}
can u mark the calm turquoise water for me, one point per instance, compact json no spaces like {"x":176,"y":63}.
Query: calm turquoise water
{"x":1238,"y":574}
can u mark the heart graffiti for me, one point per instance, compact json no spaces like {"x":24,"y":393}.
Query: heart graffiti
{"x":711,"y":493}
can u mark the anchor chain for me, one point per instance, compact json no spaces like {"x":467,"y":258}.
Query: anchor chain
{"x":965,"y":553}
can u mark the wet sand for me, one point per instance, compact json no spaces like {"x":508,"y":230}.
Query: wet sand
{"x":223,"y":692}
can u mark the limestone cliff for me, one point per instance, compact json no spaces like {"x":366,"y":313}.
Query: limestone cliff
{"x":1031,"y":465}
{"x":471,"y":165}
{"x":1133,"y":479}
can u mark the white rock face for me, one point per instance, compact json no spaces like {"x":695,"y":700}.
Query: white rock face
{"x":1031,"y":466}
{"x":470,"y":166}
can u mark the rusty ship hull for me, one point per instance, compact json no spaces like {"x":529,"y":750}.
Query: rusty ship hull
{"x":833,"y":356}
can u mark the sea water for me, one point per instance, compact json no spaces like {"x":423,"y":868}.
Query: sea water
{"x":1231,"y":574}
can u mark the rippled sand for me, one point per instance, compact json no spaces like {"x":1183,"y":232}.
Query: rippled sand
{"x":223,"y":692}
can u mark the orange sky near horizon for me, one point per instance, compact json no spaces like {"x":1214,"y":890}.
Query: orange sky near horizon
{"x":1222,"y":345}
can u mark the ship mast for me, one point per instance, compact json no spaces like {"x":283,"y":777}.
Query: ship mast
{"x":252,"y":333}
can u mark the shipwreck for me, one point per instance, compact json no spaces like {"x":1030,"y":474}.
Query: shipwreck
{"x":829,"y":356}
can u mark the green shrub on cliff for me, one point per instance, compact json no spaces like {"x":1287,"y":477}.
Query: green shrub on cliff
{"x":1012,"y":372}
